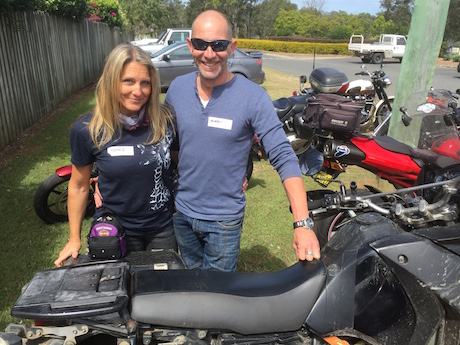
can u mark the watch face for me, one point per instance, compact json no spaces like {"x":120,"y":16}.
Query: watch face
{"x":309,"y":223}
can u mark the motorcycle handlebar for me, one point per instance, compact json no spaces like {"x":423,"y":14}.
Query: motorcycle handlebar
{"x":338,"y":202}
{"x":314,"y":204}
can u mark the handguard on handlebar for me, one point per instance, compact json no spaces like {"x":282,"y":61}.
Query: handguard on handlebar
{"x":415,"y":211}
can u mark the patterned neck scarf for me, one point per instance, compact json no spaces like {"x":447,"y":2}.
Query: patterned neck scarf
{"x":131,"y":123}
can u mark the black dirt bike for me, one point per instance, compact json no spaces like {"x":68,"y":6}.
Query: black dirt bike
{"x":376,"y":284}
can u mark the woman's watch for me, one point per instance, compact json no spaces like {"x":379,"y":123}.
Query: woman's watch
{"x":304,"y":223}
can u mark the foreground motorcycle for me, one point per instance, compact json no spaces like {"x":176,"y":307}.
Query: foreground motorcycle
{"x":433,"y":157}
{"x":375,"y":284}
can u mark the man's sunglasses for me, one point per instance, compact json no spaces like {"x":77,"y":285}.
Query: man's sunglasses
{"x":217,"y":46}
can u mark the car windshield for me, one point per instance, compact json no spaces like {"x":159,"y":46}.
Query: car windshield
{"x":162,"y":35}
{"x":165,"y":50}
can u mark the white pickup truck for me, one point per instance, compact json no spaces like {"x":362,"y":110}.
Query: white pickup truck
{"x":167,"y":37}
{"x":389,"y":46}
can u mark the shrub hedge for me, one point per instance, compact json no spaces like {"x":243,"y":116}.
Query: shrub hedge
{"x":295,"y":47}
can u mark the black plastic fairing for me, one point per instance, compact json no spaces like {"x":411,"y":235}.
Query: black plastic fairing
{"x":361,"y":291}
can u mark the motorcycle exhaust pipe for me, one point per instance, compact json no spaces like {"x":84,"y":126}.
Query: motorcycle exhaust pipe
{"x":344,"y":152}
{"x":318,"y":141}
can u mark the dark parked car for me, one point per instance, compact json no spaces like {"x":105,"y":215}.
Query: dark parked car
{"x":458,"y":67}
{"x":176,"y":59}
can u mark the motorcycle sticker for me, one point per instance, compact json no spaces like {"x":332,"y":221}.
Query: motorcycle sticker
{"x":341,"y":151}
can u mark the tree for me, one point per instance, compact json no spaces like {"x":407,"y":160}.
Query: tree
{"x":381,"y":26}
{"x":75,"y":9}
{"x":265,"y":15}
{"x":400,"y":12}
{"x":286,"y":23}
{"x":20,"y":5}
{"x":145,"y":16}
{"x":314,"y":4}
{"x":452,"y":32}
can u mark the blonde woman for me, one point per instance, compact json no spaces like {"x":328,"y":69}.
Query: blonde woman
{"x":128,"y":136}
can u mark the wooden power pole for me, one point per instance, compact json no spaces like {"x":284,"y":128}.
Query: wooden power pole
{"x":417,"y":68}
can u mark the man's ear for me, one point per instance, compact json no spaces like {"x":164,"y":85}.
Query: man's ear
{"x":233,"y":46}
{"x":189,"y":43}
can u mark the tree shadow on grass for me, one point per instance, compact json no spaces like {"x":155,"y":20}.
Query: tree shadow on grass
{"x":259,"y":259}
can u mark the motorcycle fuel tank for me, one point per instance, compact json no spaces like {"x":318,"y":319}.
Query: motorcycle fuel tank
{"x":328,"y":80}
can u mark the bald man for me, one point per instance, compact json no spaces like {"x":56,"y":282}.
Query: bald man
{"x":218,"y":113}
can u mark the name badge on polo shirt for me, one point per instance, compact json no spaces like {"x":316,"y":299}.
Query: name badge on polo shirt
{"x":120,"y":151}
{"x":217,"y":122}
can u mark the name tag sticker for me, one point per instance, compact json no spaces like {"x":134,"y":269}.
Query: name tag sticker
{"x":220,"y":123}
{"x":120,"y":151}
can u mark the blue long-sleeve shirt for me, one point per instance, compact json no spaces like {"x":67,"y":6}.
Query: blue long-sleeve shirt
{"x":215,"y":142}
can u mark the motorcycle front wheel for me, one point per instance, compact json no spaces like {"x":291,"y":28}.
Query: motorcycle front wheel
{"x":382,"y":112}
{"x":50,"y":200}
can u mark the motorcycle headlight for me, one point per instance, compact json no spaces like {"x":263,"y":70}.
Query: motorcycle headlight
{"x":387,"y":81}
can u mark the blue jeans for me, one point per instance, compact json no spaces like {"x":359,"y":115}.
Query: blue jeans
{"x":152,"y":240}
{"x":208,"y":245}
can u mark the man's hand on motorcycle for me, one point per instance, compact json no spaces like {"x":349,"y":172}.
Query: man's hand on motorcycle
{"x":306,"y":244}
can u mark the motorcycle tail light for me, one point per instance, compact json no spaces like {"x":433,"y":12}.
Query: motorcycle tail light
{"x":294,"y":93}
{"x":343,"y":88}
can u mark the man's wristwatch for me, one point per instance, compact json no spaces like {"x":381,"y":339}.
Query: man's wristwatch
{"x":304,"y":223}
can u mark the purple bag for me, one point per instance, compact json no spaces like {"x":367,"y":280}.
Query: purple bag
{"x":106,"y":239}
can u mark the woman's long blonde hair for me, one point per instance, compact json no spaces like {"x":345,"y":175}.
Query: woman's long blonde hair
{"x":105,"y":119}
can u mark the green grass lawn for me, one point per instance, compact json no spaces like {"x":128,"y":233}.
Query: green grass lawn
{"x":27,"y":245}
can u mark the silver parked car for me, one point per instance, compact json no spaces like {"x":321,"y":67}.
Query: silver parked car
{"x":176,"y":59}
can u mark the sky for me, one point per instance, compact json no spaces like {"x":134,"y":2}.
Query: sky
{"x":349,"y":6}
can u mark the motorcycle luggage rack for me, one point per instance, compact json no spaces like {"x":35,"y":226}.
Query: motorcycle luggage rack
{"x":85,"y":290}
{"x":156,"y":259}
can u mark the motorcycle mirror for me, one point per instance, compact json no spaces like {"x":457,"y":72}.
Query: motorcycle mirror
{"x":303,"y":79}
{"x":311,"y":162}
{"x":406,"y":119}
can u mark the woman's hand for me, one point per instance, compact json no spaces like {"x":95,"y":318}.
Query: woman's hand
{"x":71,"y":249}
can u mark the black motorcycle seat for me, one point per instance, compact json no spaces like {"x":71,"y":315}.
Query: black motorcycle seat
{"x":247,"y":303}
{"x":393,"y":145}
{"x":425,"y":155}
{"x":284,"y":105}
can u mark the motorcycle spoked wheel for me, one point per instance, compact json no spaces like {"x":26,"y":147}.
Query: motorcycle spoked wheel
{"x":326,"y":226}
{"x":50,"y":200}
{"x":367,"y":126}
{"x":382,"y":113}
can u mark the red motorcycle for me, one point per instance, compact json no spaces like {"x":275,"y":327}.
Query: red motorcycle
{"x":434,"y":156}
{"x":50,"y":200}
